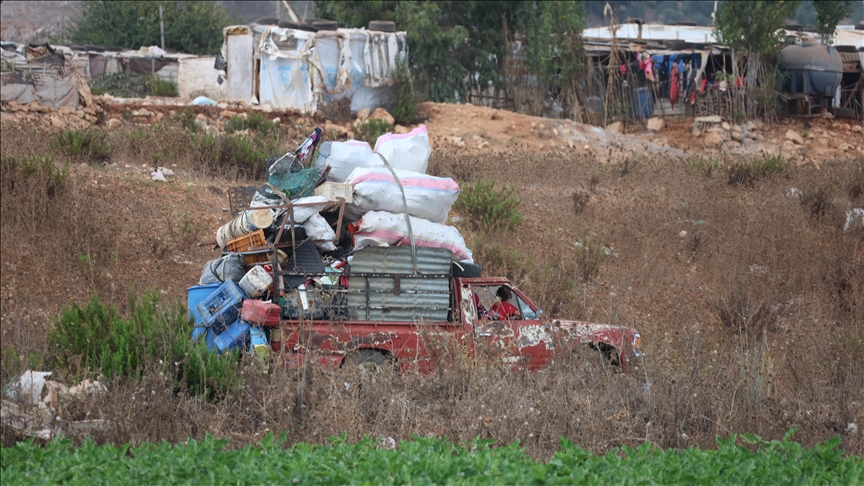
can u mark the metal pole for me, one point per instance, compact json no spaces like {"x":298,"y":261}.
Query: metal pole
{"x":161,"y":27}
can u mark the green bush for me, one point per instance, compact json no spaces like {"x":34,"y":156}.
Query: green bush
{"x":371,"y":129}
{"x":31,"y":166}
{"x":243,"y":156}
{"x":186,"y":118}
{"x":254,"y":122}
{"x":766,"y":167}
{"x":405,"y":107}
{"x":163,"y":87}
{"x":487,"y":208}
{"x":89,"y":143}
{"x":95,"y":339}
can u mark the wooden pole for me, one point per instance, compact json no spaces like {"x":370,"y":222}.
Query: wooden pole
{"x":161,"y":27}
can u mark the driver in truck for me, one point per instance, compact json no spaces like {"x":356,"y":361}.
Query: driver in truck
{"x":502,"y":307}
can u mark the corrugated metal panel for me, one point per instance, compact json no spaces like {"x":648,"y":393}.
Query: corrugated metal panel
{"x":374,"y":259}
{"x":420,"y":299}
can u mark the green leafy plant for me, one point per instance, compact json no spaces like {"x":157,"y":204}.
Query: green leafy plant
{"x":371,"y":129}
{"x":96,"y":339}
{"x":435,"y":459}
{"x":703,"y":165}
{"x":488,"y":208}
{"x":89,"y":143}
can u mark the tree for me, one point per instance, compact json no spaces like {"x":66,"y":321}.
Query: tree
{"x":829,"y":13}
{"x":192,"y":27}
{"x":553,"y":38}
{"x":755,"y":31}
{"x":756,"y":26}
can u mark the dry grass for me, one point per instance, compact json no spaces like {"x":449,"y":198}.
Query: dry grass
{"x":751,"y":320}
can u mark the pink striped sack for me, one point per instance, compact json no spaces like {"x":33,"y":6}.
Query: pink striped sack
{"x":379,"y":228}
{"x":428,"y":197}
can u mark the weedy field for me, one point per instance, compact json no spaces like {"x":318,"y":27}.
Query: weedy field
{"x":747,"y":291}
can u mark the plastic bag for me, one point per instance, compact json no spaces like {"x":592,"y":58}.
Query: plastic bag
{"x":229,"y":267}
{"x":302,"y":214}
{"x":377,"y":228}
{"x":317,"y":228}
{"x":428,"y":197}
{"x":409,"y":151}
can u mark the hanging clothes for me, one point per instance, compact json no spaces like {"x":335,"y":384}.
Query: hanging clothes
{"x":623,"y":69}
{"x":646,"y":65}
{"x":673,"y":86}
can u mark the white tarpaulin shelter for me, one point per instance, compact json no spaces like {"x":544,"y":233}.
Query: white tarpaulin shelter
{"x":299,"y":70}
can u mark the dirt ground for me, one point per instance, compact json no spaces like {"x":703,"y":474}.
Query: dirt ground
{"x":684,"y":246}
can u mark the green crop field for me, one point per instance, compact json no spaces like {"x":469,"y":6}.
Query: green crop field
{"x":744,"y":459}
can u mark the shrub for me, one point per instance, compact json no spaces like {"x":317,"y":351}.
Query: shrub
{"x":590,"y":255}
{"x":746,"y":173}
{"x":703,"y":165}
{"x":405,"y":105}
{"x":233,"y":155}
{"x":163,"y":87}
{"x":855,"y":188}
{"x":371,"y":129}
{"x":95,"y":339}
{"x":818,"y":201}
{"x":34,"y":167}
{"x":254,"y":122}
{"x":87,"y":143}
{"x":488,"y":208}
{"x":186,"y":118}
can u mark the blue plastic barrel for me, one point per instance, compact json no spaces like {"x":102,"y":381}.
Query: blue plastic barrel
{"x":643,"y":104}
{"x":194,"y":296}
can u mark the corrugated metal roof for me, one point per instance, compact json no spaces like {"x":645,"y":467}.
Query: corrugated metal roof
{"x":420,"y":299}
{"x":374,"y":259}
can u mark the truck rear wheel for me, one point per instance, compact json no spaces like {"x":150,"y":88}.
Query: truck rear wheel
{"x":369,"y":361}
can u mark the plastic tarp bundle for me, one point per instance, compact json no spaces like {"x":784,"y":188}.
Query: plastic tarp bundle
{"x":408,"y":151}
{"x":428,"y":197}
{"x":378,"y":228}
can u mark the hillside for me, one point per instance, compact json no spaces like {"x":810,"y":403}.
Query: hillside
{"x":736,"y":270}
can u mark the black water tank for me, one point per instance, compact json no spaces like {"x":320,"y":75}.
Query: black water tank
{"x":812,"y":69}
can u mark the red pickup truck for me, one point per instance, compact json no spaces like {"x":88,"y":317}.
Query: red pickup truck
{"x":388,"y":308}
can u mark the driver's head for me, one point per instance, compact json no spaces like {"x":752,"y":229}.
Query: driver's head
{"x":503,"y":293}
